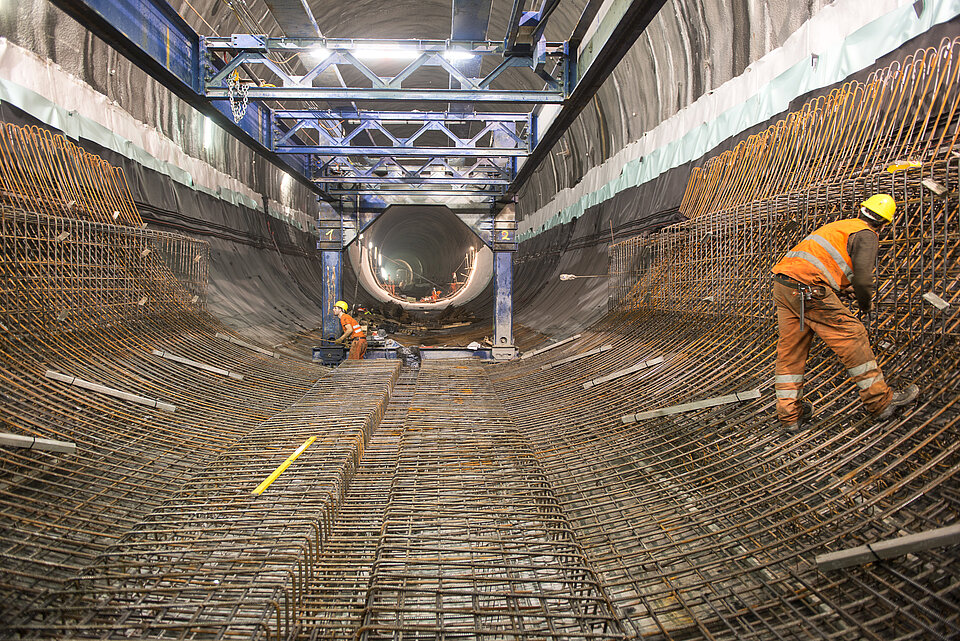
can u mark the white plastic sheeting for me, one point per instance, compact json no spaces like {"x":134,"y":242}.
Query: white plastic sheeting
{"x":62,"y":101}
{"x":845,"y":37}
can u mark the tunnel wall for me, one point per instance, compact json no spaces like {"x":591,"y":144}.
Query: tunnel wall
{"x":186,"y":173}
{"x":684,"y":87}
{"x":581,"y":245}
{"x":657,"y":426}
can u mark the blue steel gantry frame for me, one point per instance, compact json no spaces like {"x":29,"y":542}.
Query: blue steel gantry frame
{"x":376,"y":141}
{"x":258,"y":50}
{"x":453,"y":159}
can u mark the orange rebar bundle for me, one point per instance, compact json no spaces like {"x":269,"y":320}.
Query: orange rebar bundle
{"x":44,"y":172}
{"x":74,"y":252}
{"x":905,"y":112}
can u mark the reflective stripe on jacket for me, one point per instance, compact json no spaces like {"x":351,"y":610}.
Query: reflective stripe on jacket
{"x":822,"y":257}
{"x":347,"y":322}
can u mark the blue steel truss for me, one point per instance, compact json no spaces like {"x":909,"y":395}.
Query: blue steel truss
{"x":367,"y":150}
{"x":258,"y":51}
{"x":427,"y":133}
{"x":387,"y":170}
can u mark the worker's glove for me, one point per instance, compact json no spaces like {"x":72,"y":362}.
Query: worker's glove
{"x":865,"y":307}
{"x":848,"y":293}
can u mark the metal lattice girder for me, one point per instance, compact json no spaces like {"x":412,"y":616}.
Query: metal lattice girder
{"x":247,"y":49}
{"x":414,"y":192}
{"x":338,"y":131}
{"x":437,"y":171}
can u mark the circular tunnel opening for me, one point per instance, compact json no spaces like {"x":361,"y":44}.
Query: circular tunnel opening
{"x":417,"y":256}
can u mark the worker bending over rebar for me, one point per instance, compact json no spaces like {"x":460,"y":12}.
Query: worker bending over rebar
{"x":836,"y":259}
{"x":353,"y":333}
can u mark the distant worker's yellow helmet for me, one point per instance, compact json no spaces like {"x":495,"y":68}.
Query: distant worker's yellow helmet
{"x":342,"y":305}
{"x":882,"y":206}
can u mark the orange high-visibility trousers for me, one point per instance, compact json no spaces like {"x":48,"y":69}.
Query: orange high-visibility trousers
{"x":358,"y":347}
{"x":841,"y":331}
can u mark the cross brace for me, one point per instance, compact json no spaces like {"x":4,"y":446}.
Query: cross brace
{"x":406,"y":133}
{"x":437,"y":171}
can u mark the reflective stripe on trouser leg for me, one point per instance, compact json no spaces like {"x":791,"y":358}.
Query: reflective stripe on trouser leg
{"x":847,"y":337}
{"x":874,"y":391}
{"x":792,"y":349}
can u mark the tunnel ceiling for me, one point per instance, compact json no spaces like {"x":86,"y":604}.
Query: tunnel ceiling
{"x":432,"y":238}
{"x":690,"y":48}
{"x":427,"y":19}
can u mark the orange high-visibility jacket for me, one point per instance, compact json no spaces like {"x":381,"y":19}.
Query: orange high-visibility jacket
{"x":346,"y":321}
{"x":822,"y":257}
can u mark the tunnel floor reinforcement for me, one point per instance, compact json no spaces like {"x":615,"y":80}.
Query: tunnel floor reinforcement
{"x":474,"y":543}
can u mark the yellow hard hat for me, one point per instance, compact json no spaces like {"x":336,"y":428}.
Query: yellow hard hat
{"x":342,"y":305}
{"x":882,"y":205}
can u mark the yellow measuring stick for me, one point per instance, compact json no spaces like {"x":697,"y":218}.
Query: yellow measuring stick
{"x":277,"y":472}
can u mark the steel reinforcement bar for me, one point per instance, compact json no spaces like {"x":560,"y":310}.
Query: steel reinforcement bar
{"x":336,"y":592}
{"x":901,"y":116}
{"x":474,"y":544}
{"x":706,"y":524}
{"x":217,"y":560}
{"x":44,"y":172}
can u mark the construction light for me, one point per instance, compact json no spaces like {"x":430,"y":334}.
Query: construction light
{"x":383,"y":272}
{"x":384,"y":52}
{"x":455,"y":55}
{"x":318,"y":53}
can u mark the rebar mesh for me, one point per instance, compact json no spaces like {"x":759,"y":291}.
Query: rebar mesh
{"x":150,"y":528}
{"x":505,"y":502}
{"x":705,"y":524}
{"x":474,"y":544}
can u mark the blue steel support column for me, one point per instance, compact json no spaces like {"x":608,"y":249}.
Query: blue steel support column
{"x":331,"y":248}
{"x":503,"y":302}
{"x":332,"y":264}
{"x":504,"y":245}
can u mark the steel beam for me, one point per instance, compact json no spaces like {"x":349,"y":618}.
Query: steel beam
{"x":617,"y":29}
{"x":250,"y":49}
{"x":414,"y":192}
{"x":400,"y":116}
{"x":152,"y":35}
{"x":149,"y":32}
{"x":394,"y":95}
{"x":497,"y":136}
{"x":330,"y":293}
{"x":402,"y":152}
{"x":412,"y":180}
{"x":503,"y":301}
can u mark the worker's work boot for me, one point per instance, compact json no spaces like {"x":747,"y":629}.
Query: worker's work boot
{"x":806,"y":411}
{"x":900,"y":398}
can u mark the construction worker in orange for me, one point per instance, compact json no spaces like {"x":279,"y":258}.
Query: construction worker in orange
{"x":352,"y":332}
{"x":835,"y":260}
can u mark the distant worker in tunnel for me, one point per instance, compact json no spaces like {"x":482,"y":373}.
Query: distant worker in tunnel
{"x":352,"y":332}
{"x":836,"y":259}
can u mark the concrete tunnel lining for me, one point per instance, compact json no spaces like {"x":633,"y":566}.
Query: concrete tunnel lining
{"x":466,"y":499}
{"x":436,"y":240}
